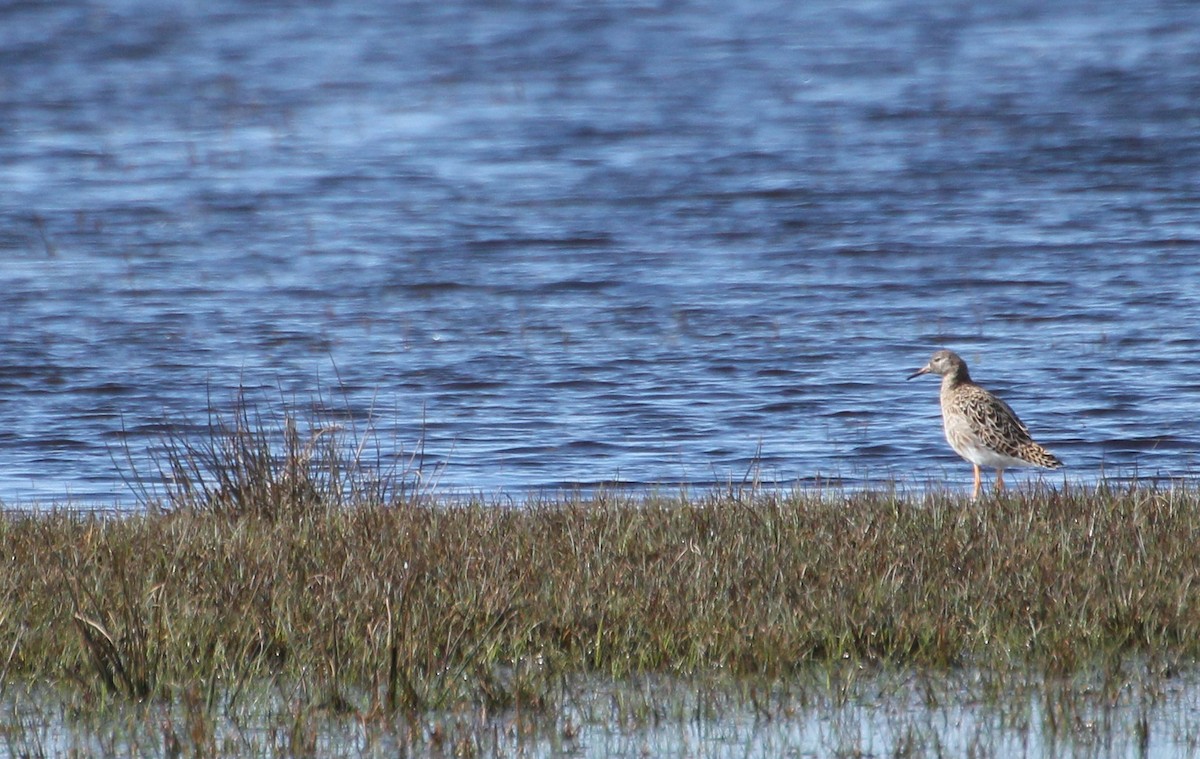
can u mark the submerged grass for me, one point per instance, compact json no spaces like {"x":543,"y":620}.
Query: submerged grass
{"x":368,"y":598}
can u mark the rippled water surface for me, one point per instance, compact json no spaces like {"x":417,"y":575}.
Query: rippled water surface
{"x":569,"y":243}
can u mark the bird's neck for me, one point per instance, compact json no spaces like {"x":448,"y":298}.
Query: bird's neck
{"x":956,"y":378}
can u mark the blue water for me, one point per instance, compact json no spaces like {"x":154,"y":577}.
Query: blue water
{"x":558,"y":244}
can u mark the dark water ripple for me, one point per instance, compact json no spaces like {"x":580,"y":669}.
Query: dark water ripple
{"x":560,"y":244}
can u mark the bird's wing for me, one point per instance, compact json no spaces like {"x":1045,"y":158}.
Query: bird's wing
{"x":994,"y":421}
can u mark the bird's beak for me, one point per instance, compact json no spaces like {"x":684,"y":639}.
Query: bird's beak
{"x":919,"y":372}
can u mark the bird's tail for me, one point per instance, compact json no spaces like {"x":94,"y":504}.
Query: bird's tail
{"x":1036,"y":454}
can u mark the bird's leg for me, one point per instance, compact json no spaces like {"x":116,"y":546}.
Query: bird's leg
{"x":975,"y":492}
{"x":999,"y":480}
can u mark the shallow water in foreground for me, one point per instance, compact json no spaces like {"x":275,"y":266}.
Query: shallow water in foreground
{"x":844,"y":711}
{"x":567,"y":243}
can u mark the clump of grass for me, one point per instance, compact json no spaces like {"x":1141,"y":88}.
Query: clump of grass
{"x":242,"y":464}
{"x":369,"y":601}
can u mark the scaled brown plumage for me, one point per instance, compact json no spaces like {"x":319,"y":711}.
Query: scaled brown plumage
{"x":979,"y":426}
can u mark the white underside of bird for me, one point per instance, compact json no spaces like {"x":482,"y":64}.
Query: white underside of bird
{"x":983,"y":456}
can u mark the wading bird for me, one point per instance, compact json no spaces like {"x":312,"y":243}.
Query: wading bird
{"x":980,"y":427}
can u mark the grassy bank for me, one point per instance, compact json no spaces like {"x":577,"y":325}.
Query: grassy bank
{"x":290,"y":555}
{"x":415,"y":605}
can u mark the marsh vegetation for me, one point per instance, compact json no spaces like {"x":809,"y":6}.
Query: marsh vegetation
{"x":279,"y":575}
